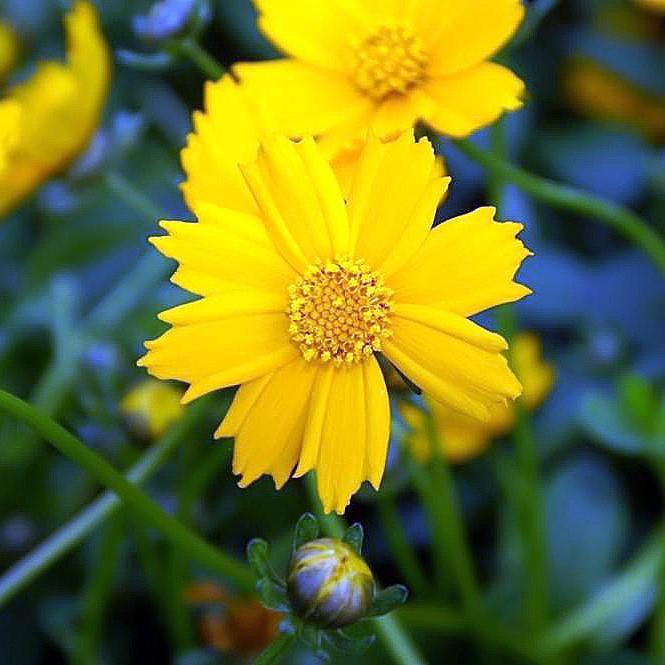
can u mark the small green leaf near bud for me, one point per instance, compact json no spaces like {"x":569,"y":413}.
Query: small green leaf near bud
{"x":307,"y":529}
{"x":273,"y":596}
{"x":257,"y":555}
{"x":354,"y":537}
{"x":387,"y":600}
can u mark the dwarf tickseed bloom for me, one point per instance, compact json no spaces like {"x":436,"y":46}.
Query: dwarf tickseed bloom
{"x":463,"y":437}
{"x":354,"y":65}
{"x":329,"y":584}
{"x":59,"y":109}
{"x":301,"y":287}
{"x":151,"y":407}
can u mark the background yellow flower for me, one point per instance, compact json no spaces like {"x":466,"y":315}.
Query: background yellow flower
{"x":299,"y":296}
{"x":60,"y":108}
{"x":8,"y":50}
{"x":386,"y":65}
{"x":463,"y":437}
{"x":151,"y":407}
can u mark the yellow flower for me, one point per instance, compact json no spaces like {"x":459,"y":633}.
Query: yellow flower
{"x":302,"y":288}
{"x":463,"y":437}
{"x":233,"y":624}
{"x":385,"y":64}
{"x":152,"y":407}
{"x":597,"y":92}
{"x":655,"y":5}
{"x":8,"y":50}
{"x":10,"y":112}
{"x":60,"y":106}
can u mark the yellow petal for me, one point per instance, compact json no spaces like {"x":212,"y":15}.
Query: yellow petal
{"x":473,"y":98}
{"x":467,"y":33}
{"x":302,"y":100}
{"x":225,"y":134}
{"x":300,"y":201}
{"x":314,"y":32}
{"x":242,"y":404}
{"x":377,"y":411}
{"x":216,"y":354}
{"x":400,"y":113}
{"x":234,"y":253}
{"x":457,"y":373}
{"x":269,"y":438}
{"x":466,"y":265}
{"x":393,"y":199}
{"x":62,"y":104}
{"x":536,"y":375}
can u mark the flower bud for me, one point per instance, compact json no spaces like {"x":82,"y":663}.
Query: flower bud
{"x":329,"y":584}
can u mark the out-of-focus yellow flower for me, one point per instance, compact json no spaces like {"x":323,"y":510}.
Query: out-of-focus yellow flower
{"x":655,"y":5}
{"x":384,"y":64}
{"x":10,"y":112}
{"x":600,"y":94}
{"x":233,"y":624}
{"x":9,"y":50}
{"x":227,"y":133}
{"x":60,"y":107}
{"x":463,"y":437}
{"x":152,"y":407}
{"x":301,"y":288}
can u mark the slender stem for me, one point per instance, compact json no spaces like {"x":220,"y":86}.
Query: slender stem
{"x":275,"y":652}
{"x":209,"y":66}
{"x":56,"y":546}
{"x":406,"y":558}
{"x":530,"y":508}
{"x":393,"y":636}
{"x":637,"y":578}
{"x":448,"y":525}
{"x":618,"y":218}
{"x":122,"y":188}
{"x":179,"y":535}
{"x":97,"y":595}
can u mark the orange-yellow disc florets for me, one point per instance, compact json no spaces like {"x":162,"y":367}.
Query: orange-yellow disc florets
{"x":392,"y":60}
{"x":339,"y":311}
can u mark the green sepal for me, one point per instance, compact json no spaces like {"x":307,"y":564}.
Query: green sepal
{"x":387,"y":600}
{"x":354,"y":537}
{"x":257,"y":555}
{"x":273,"y":596}
{"x":307,"y":529}
{"x":311,"y":636}
{"x":345,"y":644}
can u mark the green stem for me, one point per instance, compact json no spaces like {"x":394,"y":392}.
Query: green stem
{"x":406,"y":558}
{"x":97,"y":595}
{"x":191,"y":49}
{"x":123,"y":189}
{"x":640,"y":575}
{"x":393,"y":636}
{"x":275,"y":652}
{"x":618,"y":218}
{"x":179,"y":535}
{"x":78,"y":528}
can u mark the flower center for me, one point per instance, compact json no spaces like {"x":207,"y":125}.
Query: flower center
{"x":339,"y":311}
{"x":392,"y":60}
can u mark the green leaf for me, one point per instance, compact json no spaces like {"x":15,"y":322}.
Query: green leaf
{"x":273,"y":596}
{"x":307,"y":528}
{"x":387,"y":600}
{"x":257,"y":556}
{"x":639,"y":401}
{"x":354,"y":537}
{"x":348,"y":645}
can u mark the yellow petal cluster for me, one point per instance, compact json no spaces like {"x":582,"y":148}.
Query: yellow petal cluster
{"x":463,"y":437}
{"x":9,"y":50}
{"x":60,"y":108}
{"x":151,"y":407}
{"x":352,"y":65}
{"x":279,"y":228}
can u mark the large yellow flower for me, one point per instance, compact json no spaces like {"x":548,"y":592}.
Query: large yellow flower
{"x":60,"y":106}
{"x":301,"y":289}
{"x":385,"y":64}
{"x":463,"y":437}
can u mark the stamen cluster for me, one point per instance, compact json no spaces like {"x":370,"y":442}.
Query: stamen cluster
{"x":339,"y":311}
{"x":392,"y":60}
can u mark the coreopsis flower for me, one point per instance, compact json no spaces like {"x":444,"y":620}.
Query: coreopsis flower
{"x":233,"y":624}
{"x":463,"y":437}
{"x":386,"y":65}
{"x":151,"y":407}
{"x":596,"y":92}
{"x":8,"y":50}
{"x":10,"y":113}
{"x":302,"y":288}
{"x":60,"y":107}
